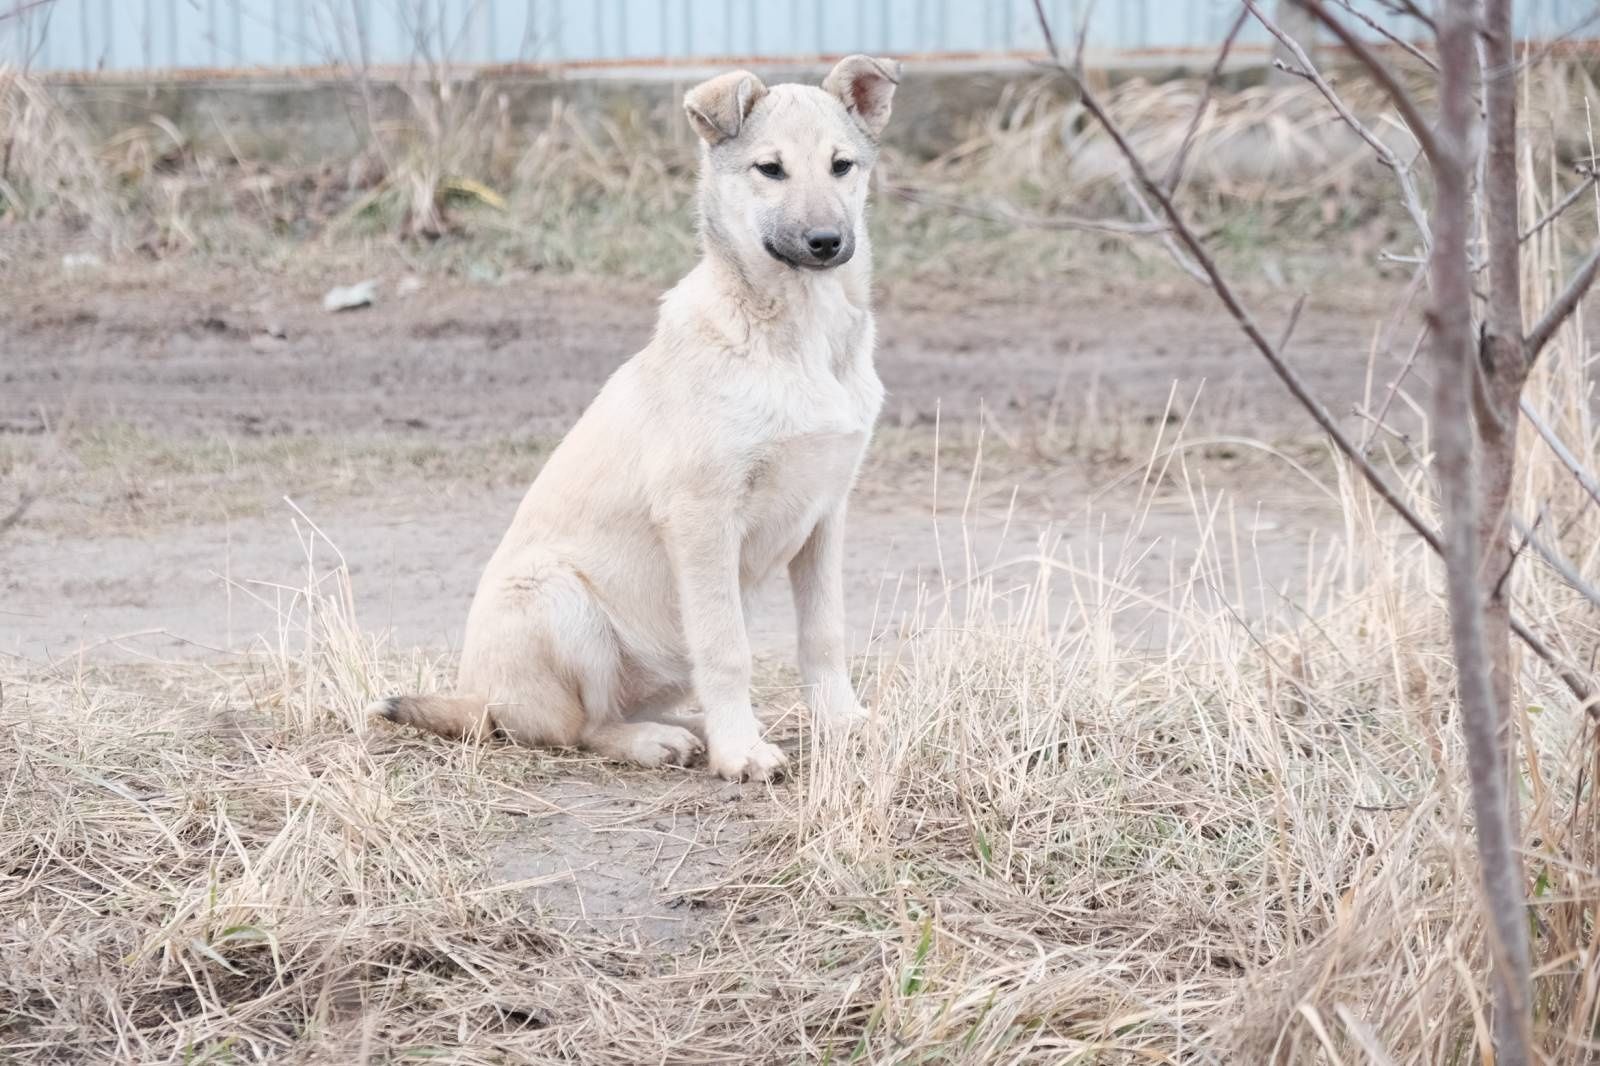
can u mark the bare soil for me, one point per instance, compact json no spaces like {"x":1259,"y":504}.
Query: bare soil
{"x":1072,"y":383}
{"x":193,"y":356}
{"x":182,"y":348}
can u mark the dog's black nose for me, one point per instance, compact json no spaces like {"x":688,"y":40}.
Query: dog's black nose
{"x":824,"y":243}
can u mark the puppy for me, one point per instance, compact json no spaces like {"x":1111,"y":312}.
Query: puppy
{"x":723,"y":450}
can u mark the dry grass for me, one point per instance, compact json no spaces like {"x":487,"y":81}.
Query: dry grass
{"x":48,"y":168}
{"x":446,"y":172}
{"x":1058,"y":842}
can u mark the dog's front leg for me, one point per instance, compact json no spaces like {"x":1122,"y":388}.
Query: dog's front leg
{"x":817,"y":574}
{"x":704,"y":542}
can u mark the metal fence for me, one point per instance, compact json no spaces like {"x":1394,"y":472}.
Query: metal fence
{"x":133,"y":35}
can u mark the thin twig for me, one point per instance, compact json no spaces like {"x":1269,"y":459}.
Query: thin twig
{"x":1589,"y":177}
{"x":1186,"y":264}
{"x":1403,"y":306}
{"x":1294,"y":320}
{"x":1561,"y":307}
{"x":23,"y":8}
{"x":1175,"y":171}
{"x":1407,"y":7}
{"x":1585,"y":480}
{"x":1556,"y":561}
{"x":1498,"y":588}
{"x":1389,"y":35}
{"x":1386,"y":155}
{"x":1004,"y":213}
{"x":1398,"y":96}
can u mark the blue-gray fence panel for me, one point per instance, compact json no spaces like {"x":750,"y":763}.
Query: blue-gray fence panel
{"x":164,"y":34}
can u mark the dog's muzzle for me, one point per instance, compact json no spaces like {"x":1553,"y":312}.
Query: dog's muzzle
{"x":818,"y":248}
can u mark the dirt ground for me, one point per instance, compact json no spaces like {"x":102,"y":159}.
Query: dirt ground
{"x":191,"y":357}
{"x":187,"y":349}
{"x":183,"y":361}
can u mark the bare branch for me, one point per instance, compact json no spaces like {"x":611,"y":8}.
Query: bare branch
{"x":1382,"y":415}
{"x":1175,"y":171}
{"x":1502,"y":367}
{"x":1182,"y":233}
{"x":1050,"y":48}
{"x":1185,"y":264}
{"x":1297,"y":387}
{"x":1389,"y":35}
{"x":1501,"y":204}
{"x":1407,"y":7}
{"x":1585,"y":480}
{"x":1557,"y":562}
{"x":1386,"y":155}
{"x":1589,"y":177}
{"x":1381,"y":73}
{"x":1561,"y":308}
{"x":1005,"y":214}
{"x":23,"y":7}
{"x":1575,"y":684}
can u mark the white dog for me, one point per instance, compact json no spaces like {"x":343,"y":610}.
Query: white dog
{"x":725,"y":448}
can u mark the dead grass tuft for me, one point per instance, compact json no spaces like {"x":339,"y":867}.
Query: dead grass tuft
{"x":612,"y":193}
{"x":48,"y":168}
{"x":1179,"y":824}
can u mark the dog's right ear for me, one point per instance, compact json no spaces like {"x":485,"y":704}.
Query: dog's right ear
{"x":717,"y":108}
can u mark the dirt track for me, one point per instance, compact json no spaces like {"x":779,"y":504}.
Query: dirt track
{"x":187,"y":350}
{"x":190,"y":358}
{"x":184,"y":354}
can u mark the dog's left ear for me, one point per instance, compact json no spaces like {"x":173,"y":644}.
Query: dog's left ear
{"x":866,"y":87}
{"x":717,"y":108}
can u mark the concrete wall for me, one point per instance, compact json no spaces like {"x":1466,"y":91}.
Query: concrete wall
{"x":306,"y":120}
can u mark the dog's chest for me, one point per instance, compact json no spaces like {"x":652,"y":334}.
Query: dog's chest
{"x":820,"y":408}
{"x":788,"y":489}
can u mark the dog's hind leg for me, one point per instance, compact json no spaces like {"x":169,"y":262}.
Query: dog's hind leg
{"x":669,"y":707}
{"x":646,"y":743}
{"x":544,"y":647}
{"x":541,"y":648}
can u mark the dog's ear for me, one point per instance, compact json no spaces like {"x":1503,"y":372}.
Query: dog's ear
{"x":866,"y":87}
{"x":717,"y":108}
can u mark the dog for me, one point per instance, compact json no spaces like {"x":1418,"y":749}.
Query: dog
{"x":724,"y":449}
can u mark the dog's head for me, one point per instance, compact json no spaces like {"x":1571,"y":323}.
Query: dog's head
{"x":784,"y":175}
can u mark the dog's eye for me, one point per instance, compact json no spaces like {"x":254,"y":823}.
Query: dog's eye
{"x":771,"y":170}
{"x":841,"y":167}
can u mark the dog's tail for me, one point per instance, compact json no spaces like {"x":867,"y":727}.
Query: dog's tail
{"x":449,"y":716}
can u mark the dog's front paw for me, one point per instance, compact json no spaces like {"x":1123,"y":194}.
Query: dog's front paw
{"x":755,"y":760}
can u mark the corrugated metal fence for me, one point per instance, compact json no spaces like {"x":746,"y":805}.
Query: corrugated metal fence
{"x":131,"y":35}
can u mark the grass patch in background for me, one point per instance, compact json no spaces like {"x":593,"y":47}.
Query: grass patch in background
{"x":459,"y":187}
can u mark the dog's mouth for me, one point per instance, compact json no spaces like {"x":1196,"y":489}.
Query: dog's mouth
{"x":800,"y":264}
{"x":772,"y":250}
